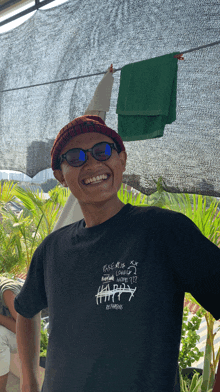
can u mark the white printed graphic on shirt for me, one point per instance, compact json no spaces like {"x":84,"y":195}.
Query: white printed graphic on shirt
{"x":120,"y":274}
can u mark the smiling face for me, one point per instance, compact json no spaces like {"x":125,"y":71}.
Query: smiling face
{"x":72,"y":177}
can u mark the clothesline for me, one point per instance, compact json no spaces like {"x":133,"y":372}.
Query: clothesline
{"x":100,"y":73}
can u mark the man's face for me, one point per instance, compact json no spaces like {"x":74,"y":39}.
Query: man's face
{"x":72,"y":177}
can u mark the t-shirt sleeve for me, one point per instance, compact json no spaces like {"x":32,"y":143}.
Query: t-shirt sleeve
{"x":8,"y":284}
{"x":194,"y":260}
{"x":32,"y":297}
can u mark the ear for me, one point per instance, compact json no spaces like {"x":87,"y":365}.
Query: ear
{"x":59,"y":176}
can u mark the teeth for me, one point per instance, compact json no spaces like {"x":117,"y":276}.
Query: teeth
{"x":98,"y":178}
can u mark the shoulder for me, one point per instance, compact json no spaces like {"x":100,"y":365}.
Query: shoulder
{"x":160,"y":213}
{"x":164,"y":218}
{"x":10,"y":285}
{"x":9,"y":294}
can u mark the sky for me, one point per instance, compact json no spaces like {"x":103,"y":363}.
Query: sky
{"x":19,"y":21}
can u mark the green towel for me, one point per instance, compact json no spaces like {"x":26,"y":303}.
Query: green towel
{"x":147,"y":97}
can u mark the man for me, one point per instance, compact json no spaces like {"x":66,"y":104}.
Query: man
{"x":113,"y":282}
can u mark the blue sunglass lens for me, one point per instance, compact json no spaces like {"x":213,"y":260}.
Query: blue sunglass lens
{"x":82,"y":156}
{"x":108,"y":150}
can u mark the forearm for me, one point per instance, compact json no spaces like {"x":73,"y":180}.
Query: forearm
{"x":8,"y":322}
{"x":28,"y":343}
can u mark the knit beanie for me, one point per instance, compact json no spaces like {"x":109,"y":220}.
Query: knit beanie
{"x":83,"y":124}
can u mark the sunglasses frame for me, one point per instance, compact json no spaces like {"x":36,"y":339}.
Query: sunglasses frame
{"x":112,"y":146}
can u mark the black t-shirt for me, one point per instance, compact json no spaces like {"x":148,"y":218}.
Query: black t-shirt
{"x":115,"y":296}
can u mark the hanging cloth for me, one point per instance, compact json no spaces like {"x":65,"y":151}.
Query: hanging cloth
{"x":100,"y":103}
{"x":147,"y":97}
{"x":98,"y":106}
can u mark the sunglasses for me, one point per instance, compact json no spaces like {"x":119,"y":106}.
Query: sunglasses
{"x":77,"y":156}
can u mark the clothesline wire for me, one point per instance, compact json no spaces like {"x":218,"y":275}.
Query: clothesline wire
{"x":99,"y":73}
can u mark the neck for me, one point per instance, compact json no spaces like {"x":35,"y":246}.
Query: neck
{"x":96,"y":214}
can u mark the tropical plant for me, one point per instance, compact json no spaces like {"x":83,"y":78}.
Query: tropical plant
{"x":191,"y":386}
{"x":43,"y":340}
{"x":21,"y":234}
{"x":189,"y":338}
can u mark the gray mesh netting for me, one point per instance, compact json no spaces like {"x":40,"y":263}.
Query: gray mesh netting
{"x":84,"y":37}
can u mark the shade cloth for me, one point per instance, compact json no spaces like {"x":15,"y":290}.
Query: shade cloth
{"x":81,"y":38}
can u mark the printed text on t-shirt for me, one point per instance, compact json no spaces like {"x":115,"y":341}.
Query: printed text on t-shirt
{"x":119,"y":273}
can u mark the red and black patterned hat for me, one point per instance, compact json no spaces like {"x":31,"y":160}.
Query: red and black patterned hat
{"x":79,"y":125}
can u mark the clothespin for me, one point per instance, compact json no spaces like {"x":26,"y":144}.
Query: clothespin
{"x":179,"y":56}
